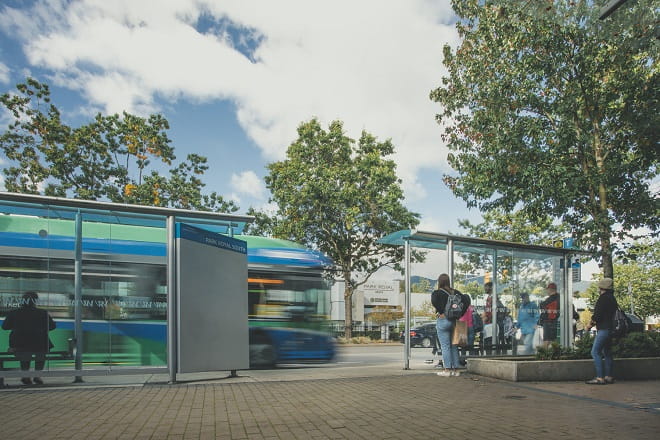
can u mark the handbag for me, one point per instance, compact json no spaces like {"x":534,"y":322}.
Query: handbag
{"x":459,"y":335}
{"x":538,"y":337}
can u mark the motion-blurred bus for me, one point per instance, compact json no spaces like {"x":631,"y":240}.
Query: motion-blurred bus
{"x":124,"y":292}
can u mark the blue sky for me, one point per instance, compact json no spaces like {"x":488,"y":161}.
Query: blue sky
{"x":235,"y":79}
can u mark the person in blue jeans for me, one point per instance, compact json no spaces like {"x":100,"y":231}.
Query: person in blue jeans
{"x":445,"y":327}
{"x":528,"y":316}
{"x":602,"y":318}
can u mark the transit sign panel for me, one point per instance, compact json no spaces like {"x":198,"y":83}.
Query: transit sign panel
{"x":212,"y":302}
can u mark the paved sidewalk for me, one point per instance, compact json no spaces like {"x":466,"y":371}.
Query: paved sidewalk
{"x":308,"y":403}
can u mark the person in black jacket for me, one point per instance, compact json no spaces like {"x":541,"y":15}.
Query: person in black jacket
{"x":445,"y":327}
{"x":29,"y":334}
{"x":602,"y":318}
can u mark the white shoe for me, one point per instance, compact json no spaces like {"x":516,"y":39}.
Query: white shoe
{"x":455,"y":373}
{"x":445,"y":373}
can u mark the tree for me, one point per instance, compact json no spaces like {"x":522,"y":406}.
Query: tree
{"x":636,"y":281}
{"x":425,"y":310}
{"x":340,"y":197}
{"x":555,"y":113}
{"x":422,"y":286}
{"x":263,"y":223}
{"x":108,"y":158}
{"x":382,"y":316}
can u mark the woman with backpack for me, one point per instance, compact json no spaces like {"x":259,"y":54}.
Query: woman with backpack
{"x":450,"y":305}
{"x":602,"y":318}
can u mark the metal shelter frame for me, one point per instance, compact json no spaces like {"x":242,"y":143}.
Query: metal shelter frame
{"x":456,"y":243}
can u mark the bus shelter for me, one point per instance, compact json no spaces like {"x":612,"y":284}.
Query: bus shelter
{"x":512,"y":268}
{"x":133,"y":289}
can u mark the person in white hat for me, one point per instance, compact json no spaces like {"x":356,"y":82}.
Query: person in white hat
{"x":602,"y":319}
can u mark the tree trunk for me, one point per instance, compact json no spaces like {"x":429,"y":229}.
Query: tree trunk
{"x":608,"y":265}
{"x":348,"y":308}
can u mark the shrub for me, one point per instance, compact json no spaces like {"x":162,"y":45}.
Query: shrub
{"x":631,"y":346}
{"x":354,"y":340}
{"x":553,"y":351}
{"x":582,"y":349}
{"x":636,"y":345}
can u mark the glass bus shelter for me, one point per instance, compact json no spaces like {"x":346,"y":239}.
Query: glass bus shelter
{"x":104,"y":272}
{"x":512,"y":268}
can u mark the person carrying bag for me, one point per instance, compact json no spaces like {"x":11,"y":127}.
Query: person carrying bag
{"x":450,"y":305}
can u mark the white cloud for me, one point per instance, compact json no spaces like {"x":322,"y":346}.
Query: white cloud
{"x":4,"y":73}
{"x":248,"y":183}
{"x":370,"y":63}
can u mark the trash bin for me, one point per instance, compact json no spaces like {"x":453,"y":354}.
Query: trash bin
{"x":637,"y":325}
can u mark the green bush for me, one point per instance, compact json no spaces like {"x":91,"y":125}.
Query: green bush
{"x":636,"y":345}
{"x":582,"y":349}
{"x":553,"y":351}
{"x":632,"y":346}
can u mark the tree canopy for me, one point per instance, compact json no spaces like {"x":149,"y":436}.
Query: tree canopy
{"x":340,"y":196}
{"x":636,"y":282}
{"x":115,"y":157}
{"x":553,"y":112}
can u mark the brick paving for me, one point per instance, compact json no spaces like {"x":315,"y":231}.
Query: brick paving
{"x":397,"y":406}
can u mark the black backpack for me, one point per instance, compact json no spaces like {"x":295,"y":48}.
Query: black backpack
{"x":455,"y":307}
{"x":620,"y":324}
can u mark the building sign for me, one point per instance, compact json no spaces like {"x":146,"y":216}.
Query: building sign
{"x":380,"y":293}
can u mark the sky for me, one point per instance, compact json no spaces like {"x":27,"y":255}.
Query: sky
{"x":236,"y":78}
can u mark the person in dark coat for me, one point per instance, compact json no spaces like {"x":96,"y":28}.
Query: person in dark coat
{"x":602,"y":318}
{"x":29,"y":334}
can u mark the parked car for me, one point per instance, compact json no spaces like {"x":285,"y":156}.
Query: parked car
{"x":423,"y":335}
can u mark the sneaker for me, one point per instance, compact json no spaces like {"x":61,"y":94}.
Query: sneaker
{"x":609,"y":380}
{"x":455,"y":373}
{"x":444,"y":373}
{"x":38,"y":380}
{"x":26,"y":381}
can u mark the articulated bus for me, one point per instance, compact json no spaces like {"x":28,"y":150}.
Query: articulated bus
{"x":124,"y":292}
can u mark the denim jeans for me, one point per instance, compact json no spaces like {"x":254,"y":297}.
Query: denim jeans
{"x":602,"y":353}
{"x":528,"y":344}
{"x":449,"y":352}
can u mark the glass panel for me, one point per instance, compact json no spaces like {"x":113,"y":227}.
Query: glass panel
{"x":36,"y":275}
{"x":517,"y":272}
{"x":505,"y":287}
{"x":124,"y":295}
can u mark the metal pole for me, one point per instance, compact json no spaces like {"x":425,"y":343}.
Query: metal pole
{"x":567,"y":304}
{"x":172,"y":299}
{"x":493,"y":306}
{"x":406,"y":350}
{"x":450,"y":261}
{"x":77,"y":298}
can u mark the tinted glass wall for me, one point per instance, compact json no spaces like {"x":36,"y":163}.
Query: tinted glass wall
{"x":123,"y":299}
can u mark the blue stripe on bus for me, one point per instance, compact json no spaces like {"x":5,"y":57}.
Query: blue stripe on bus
{"x":66,"y":243}
{"x":282,"y":256}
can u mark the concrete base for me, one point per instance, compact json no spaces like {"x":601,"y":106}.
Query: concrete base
{"x":530,"y":370}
